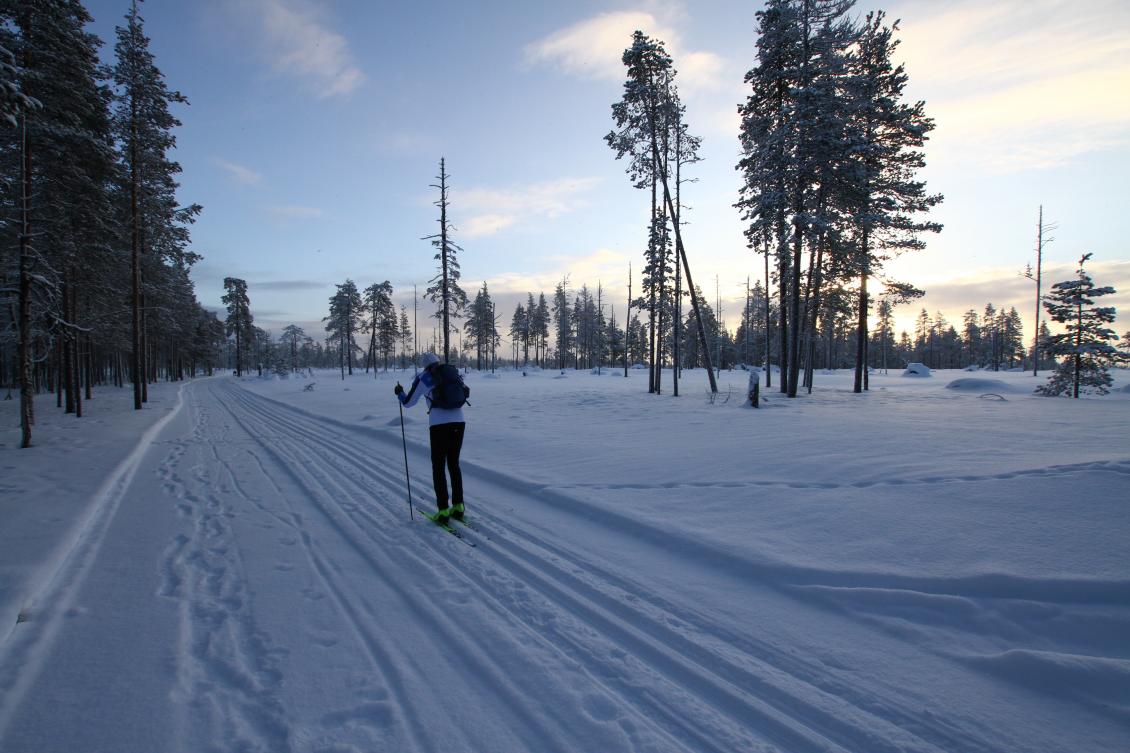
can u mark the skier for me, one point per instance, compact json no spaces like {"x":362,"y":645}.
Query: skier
{"x":445,"y":430}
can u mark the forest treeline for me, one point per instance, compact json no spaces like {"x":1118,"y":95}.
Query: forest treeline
{"x":95,"y":244}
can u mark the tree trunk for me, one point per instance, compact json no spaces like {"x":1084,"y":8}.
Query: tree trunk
{"x":694,"y":298}
{"x":27,"y":395}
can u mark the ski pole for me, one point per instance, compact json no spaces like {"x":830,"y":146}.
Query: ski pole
{"x":404,"y":441}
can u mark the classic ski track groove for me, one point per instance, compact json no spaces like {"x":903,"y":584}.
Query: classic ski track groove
{"x":356,"y":534}
{"x":759,"y":687}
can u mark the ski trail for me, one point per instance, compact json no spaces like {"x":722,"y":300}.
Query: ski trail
{"x":225,"y":676}
{"x":338,"y":533}
{"x":728,"y":691}
{"x":27,"y":646}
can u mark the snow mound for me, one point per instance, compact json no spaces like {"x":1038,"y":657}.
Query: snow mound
{"x":980,"y":385}
{"x":1095,"y":679}
{"x":916,"y":370}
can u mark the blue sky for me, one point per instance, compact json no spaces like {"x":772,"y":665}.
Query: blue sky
{"x":315,"y":130}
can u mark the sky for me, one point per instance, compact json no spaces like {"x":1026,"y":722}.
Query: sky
{"x":315,"y":129}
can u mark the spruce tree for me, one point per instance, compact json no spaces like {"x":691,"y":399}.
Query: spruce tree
{"x":1084,"y":344}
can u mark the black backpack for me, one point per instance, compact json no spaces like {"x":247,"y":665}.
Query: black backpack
{"x":449,"y":392}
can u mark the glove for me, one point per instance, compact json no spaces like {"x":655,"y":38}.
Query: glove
{"x":398,"y":390}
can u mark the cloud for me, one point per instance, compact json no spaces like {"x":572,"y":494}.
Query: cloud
{"x":239,"y":173}
{"x":602,"y":265}
{"x":296,"y":212}
{"x":495,"y":209}
{"x":594,"y":47}
{"x":299,"y":44}
{"x":1005,"y":288}
{"x":1021,"y":84}
{"x":286,"y":285}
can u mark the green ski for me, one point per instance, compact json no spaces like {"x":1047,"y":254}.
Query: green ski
{"x":434,"y":517}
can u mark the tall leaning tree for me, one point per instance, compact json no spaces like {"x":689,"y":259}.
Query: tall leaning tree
{"x":444,"y":288}
{"x":648,"y":119}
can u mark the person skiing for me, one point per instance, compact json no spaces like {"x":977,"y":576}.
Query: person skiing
{"x":446,"y":426}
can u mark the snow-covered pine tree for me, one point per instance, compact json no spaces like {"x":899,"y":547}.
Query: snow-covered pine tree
{"x":519,"y":332}
{"x":405,"y":330}
{"x":563,"y":319}
{"x":764,"y":195}
{"x":381,"y":323}
{"x":480,"y":328}
{"x":793,"y":143}
{"x":239,"y":320}
{"x":649,"y":119}
{"x":292,"y":335}
{"x":342,"y":323}
{"x":1085,"y":345}
{"x":13,"y":101}
{"x":157,"y":225}
{"x":888,"y":134}
{"x":63,"y":154}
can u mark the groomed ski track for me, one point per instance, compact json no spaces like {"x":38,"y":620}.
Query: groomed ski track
{"x":302,"y":610}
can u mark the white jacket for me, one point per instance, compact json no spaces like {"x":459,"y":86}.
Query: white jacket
{"x":423,"y":384}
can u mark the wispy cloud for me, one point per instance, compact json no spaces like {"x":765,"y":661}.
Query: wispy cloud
{"x":593,"y":48}
{"x":1021,"y":84}
{"x":1006,"y":288}
{"x":295,"y":211}
{"x":239,"y":173}
{"x":599,"y":266}
{"x":495,"y":209}
{"x":299,"y":43}
{"x":286,"y":285}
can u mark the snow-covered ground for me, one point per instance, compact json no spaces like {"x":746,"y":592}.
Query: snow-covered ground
{"x":933,"y":566}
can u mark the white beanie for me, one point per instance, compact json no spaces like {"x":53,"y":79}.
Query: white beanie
{"x":428,"y":359}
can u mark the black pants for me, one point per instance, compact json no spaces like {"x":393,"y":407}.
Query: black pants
{"x":447,"y":441}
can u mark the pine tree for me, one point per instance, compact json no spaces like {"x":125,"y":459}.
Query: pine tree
{"x":1085,"y":343}
{"x":143,"y":124}
{"x":889,"y":135}
{"x":405,"y":335}
{"x":381,"y":324}
{"x":346,"y":309}
{"x":292,"y":335}
{"x":649,"y":119}
{"x":563,"y":318}
{"x":13,"y":101}
{"x":239,"y":321}
{"x":62,"y":152}
{"x":794,"y":147}
{"x":445,"y":288}
{"x":480,"y":327}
